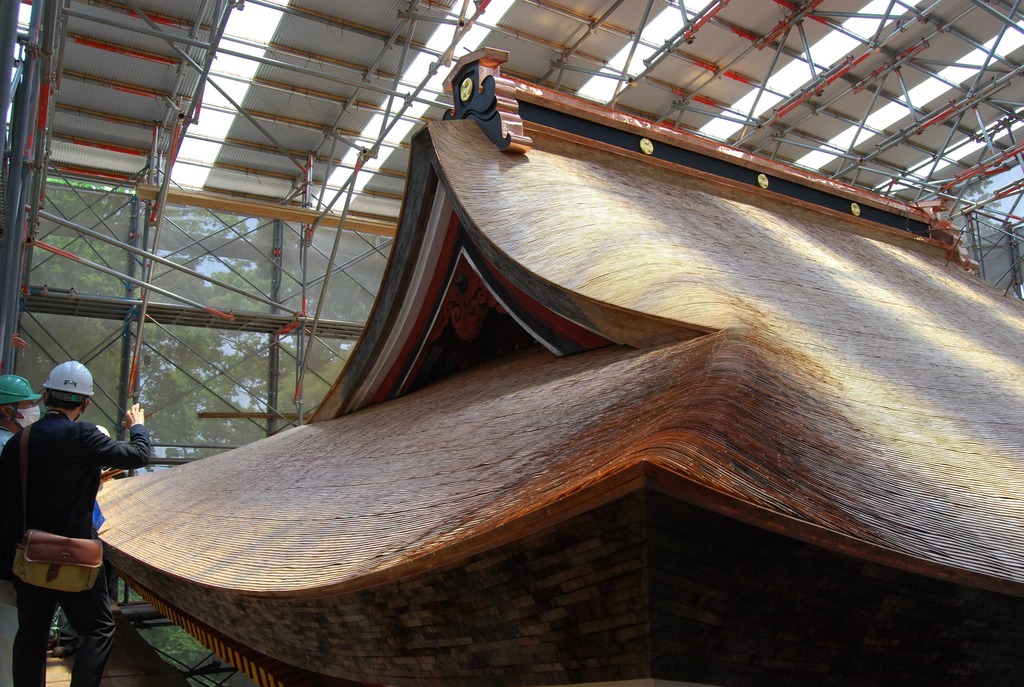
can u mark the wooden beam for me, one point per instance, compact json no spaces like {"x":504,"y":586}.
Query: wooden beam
{"x":261,"y":208}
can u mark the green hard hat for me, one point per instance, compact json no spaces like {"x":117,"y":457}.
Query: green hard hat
{"x":15,"y":389}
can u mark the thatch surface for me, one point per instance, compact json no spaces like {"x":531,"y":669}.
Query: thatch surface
{"x":921,"y":359}
{"x":331,"y":503}
{"x":859,"y":394}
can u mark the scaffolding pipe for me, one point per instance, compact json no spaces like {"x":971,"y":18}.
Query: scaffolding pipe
{"x":131,"y":280}
{"x":626,"y":81}
{"x":895,"y":61}
{"x":588,"y":31}
{"x":8,"y":45}
{"x":986,"y":167}
{"x":147,"y":271}
{"x":408,"y":100}
{"x":153,"y":257}
{"x":305,"y":242}
{"x":47,"y":83}
{"x":18,"y":178}
{"x":202,"y":383}
{"x":816,"y":87}
{"x":997,"y":195}
{"x":124,"y":368}
{"x":351,"y":185}
{"x":756,"y":43}
{"x":939,"y":115}
{"x":181,"y":125}
{"x":179,"y":74}
{"x":796,"y":15}
{"x":155,"y":33}
{"x":939,"y":159}
{"x":757,"y":98}
{"x":1007,"y":20}
{"x":10,"y":249}
{"x":274,"y":359}
{"x":204,"y":74}
{"x":408,"y":15}
{"x":1014,"y":270}
{"x":652,"y":62}
{"x":152,"y":173}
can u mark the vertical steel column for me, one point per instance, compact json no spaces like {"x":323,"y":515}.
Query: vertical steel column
{"x":300,"y":331}
{"x":48,"y":80}
{"x":972,"y":230}
{"x":1013,"y":242}
{"x":11,"y":246}
{"x":18,"y":175}
{"x":305,"y":240}
{"x":123,"y":387}
{"x":156,"y":219}
{"x":348,"y":188}
{"x":274,"y":359}
{"x":8,"y":42}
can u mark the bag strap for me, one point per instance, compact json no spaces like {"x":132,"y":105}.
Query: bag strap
{"x":23,"y":457}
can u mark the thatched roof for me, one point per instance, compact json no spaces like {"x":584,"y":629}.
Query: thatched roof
{"x":799,"y":369}
{"x":913,"y":364}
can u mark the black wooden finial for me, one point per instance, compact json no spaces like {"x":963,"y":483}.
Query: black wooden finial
{"x":483,"y":94}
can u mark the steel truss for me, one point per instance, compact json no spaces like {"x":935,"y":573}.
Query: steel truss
{"x":289,"y":332}
{"x":763,"y":135}
{"x":278,"y":323}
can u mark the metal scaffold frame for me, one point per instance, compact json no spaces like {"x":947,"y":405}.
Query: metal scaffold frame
{"x":766,"y":132}
{"x":143,"y":250}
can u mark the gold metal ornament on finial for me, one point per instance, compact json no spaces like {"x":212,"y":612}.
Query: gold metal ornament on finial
{"x":479,"y":92}
{"x":646,"y":146}
{"x":466,"y":89}
{"x":762,"y":180}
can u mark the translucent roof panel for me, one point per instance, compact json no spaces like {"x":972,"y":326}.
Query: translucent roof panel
{"x":866,"y":91}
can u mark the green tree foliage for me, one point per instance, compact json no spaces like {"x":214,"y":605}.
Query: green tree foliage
{"x":185,"y":371}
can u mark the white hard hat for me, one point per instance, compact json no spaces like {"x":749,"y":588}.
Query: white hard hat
{"x":71,"y":377}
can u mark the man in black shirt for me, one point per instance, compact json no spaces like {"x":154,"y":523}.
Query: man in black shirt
{"x":65,"y":458}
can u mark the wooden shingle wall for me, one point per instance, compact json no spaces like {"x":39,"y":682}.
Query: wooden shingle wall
{"x":732,"y":604}
{"x":647,"y":586}
{"x":565,"y":605}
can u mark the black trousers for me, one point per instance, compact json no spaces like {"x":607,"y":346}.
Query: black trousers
{"x":88,"y":612}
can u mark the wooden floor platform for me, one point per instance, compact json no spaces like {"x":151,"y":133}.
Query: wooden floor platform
{"x":132,"y":663}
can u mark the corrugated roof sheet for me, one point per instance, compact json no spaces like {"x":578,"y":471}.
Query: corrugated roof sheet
{"x":330,"y":65}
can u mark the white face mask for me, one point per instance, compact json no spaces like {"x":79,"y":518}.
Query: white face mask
{"x":28,"y":416}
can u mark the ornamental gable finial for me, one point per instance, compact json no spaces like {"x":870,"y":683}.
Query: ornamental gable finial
{"x":482,"y":93}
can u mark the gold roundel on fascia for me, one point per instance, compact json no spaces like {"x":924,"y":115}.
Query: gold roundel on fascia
{"x":646,"y":146}
{"x":466,"y":89}
{"x":855,"y":209}
{"x":762,"y":180}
